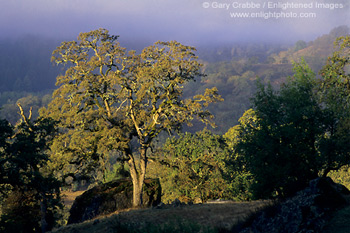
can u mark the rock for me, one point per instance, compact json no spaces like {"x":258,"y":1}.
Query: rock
{"x":307,"y":211}
{"x":110,"y":197}
{"x":332,"y":195}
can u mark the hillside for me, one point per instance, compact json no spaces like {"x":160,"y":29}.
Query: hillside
{"x":315,"y":52}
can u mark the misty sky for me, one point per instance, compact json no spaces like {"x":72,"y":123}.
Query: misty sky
{"x":188,"y":21}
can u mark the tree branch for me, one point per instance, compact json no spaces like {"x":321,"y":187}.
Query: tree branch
{"x":25,"y":119}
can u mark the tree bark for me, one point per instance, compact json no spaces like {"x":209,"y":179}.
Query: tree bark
{"x":138,"y":176}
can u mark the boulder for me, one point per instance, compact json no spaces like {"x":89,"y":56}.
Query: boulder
{"x":307,"y":211}
{"x":110,"y":197}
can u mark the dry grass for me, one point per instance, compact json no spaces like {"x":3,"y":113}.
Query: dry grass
{"x":69,"y":197}
{"x":218,"y":215}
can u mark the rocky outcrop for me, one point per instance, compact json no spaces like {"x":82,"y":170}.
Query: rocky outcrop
{"x":308,"y":211}
{"x":110,"y":197}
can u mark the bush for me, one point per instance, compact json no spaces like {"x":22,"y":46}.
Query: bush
{"x":193,"y":167}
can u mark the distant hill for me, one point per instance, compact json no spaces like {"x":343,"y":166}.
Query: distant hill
{"x":235,"y":72}
{"x":315,"y":52}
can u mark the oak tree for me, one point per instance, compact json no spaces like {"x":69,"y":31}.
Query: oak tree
{"x":110,"y":98}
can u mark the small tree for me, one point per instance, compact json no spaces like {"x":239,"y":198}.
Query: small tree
{"x":335,"y":93}
{"x":280,"y":146}
{"x":32,"y":196}
{"x":112,"y":97}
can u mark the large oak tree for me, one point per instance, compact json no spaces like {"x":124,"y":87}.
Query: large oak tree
{"x":109,"y":98}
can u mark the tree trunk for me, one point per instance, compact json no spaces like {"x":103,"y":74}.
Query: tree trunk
{"x":43,"y":209}
{"x":137,"y":192}
{"x":326,"y":171}
{"x":138,"y":176}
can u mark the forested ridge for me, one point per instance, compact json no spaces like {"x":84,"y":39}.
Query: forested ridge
{"x":242,"y":122}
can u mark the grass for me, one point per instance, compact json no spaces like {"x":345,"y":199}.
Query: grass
{"x":68,"y":199}
{"x":210,"y":217}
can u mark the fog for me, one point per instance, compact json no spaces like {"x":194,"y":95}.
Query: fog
{"x":195,"y":22}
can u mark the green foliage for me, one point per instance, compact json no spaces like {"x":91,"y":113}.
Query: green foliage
{"x":194,"y":167}
{"x":32,"y":200}
{"x":335,"y":93}
{"x":241,"y":178}
{"x":116,"y":171}
{"x":21,"y":213}
{"x":279,"y":144}
{"x":336,"y":77}
{"x":341,"y":176}
{"x":6,"y":130}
